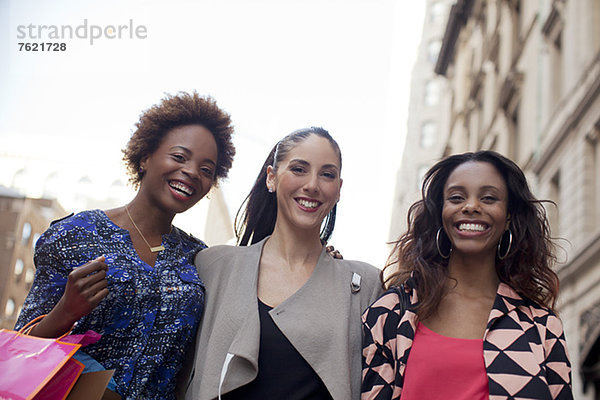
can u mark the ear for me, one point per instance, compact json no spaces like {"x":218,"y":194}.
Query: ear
{"x":507,"y":226}
{"x":143,"y":162}
{"x":271,"y":178}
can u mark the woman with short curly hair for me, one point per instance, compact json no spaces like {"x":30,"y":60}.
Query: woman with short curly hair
{"x":128,"y":273}
{"x":469,"y":313}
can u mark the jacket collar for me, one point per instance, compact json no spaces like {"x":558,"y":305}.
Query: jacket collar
{"x":506,"y":301}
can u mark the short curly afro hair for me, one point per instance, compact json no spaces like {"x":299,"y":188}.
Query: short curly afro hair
{"x":174,"y":111}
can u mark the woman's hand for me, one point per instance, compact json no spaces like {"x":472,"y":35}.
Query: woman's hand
{"x":85,"y":289}
{"x":333,"y":252}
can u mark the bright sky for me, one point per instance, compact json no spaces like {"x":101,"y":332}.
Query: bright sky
{"x":274,"y":65}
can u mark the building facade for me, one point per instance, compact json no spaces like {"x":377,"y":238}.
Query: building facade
{"x":427,"y":124}
{"x":523,"y":79}
{"x":22,"y":220}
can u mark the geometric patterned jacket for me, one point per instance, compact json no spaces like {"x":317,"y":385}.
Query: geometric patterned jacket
{"x":524,"y":348}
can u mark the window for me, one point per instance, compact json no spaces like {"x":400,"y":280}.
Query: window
{"x":26,"y":232}
{"x":436,"y":14}
{"x":36,"y":236}
{"x":432,"y":93}
{"x":593,"y":155}
{"x":9,"y":309}
{"x":428,"y":134}
{"x":421,"y":175}
{"x":29,"y":275}
{"x":19,"y":267}
{"x":552,"y":30}
{"x":433,"y":50}
{"x":552,"y":210}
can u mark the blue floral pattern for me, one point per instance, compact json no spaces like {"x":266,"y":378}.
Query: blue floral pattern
{"x":151,"y":314}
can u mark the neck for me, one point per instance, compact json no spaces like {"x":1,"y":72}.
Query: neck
{"x":150,"y":219}
{"x":476,"y":275}
{"x":293,"y":247}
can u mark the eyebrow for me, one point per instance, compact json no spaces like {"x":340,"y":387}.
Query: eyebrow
{"x":486,"y":187}
{"x":306,"y":163}
{"x":182,"y":148}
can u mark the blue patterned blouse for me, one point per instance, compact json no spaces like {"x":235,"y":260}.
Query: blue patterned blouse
{"x":150,"y":317}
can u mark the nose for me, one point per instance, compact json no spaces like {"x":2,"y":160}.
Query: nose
{"x":191,"y":171}
{"x":471,"y":206}
{"x":312,"y":183}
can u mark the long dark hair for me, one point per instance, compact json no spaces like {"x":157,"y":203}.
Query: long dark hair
{"x":256,"y":217}
{"x":528,"y":266}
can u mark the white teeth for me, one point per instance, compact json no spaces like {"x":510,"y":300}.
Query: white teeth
{"x":471,"y":227}
{"x":308,"y":204}
{"x":188,"y":191}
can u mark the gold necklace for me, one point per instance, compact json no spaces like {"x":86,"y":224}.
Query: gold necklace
{"x":155,"y":249}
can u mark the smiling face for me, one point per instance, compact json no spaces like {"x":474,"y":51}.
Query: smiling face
{"x":474,"y":213}
{"x":307,"y":184}
{"x":182,"y":169}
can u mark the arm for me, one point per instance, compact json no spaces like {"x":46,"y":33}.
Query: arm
{"x":86,"y":287}
{"x":558,"y":366}
{"x":379,"y":353}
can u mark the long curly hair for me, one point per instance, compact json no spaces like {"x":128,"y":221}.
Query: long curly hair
{"x":256,"y":217}
{"x":174,"y":111}
{"x":527,"y":267}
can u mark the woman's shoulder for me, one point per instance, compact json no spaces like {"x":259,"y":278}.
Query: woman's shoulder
{"x":188,"y":239}
{"x":82,"y":218}
{"x":221,"y":252}
{"x":80,"y":225}
{"x":390,"y":300}
{"x":360,"y":267}
{"x":522,"y":302}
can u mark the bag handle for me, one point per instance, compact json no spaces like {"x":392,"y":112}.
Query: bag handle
{"x":27,"y":328}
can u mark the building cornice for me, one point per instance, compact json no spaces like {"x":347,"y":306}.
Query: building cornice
{"x":569,"y":112}
{"x":587,"y":256}
{"x":459,"y":14}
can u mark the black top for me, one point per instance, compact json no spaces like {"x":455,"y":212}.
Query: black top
{"x":282,"y":372}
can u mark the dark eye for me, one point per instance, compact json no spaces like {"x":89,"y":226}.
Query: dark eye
{"x":297,"y":170}
{"x":455,"y":198}
{"x":489,"y":199}
{"x":207,"y":171}
{"x":330,"y":175}
{"x":178,"y":157}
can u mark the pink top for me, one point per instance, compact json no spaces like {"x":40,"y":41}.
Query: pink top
{"x":441,"y":367}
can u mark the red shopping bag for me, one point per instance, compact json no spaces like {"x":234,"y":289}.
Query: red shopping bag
{"x":36,"y":368}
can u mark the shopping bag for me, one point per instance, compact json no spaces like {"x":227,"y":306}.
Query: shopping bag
{"x":92,"y":386}
{"x":38,"y":368}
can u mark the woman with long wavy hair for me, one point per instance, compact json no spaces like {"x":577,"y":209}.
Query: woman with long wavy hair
{"x":469,"y":311}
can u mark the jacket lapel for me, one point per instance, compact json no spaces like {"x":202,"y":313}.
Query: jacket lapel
{"x":316,"y":321}
{"x":241,"y":363}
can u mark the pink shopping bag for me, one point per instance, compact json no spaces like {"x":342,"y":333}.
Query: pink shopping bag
{"x":36,"y":368}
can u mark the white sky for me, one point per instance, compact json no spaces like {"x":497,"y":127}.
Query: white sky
{"x":274,"y":65}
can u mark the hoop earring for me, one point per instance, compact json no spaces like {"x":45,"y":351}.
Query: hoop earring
{"x":437,"y":244}
{"x":510,"y":238}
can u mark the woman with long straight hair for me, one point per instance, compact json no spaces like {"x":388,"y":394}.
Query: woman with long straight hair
{"x":282,"y":316}
{"x":469,"y":313}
